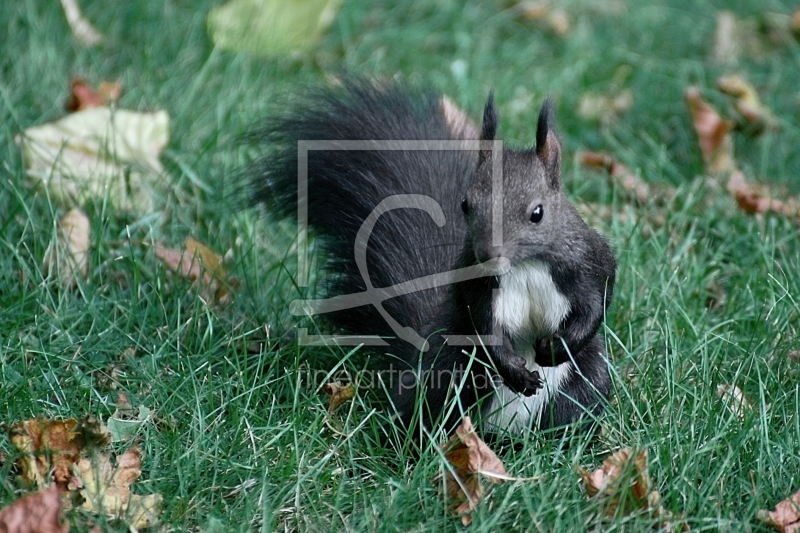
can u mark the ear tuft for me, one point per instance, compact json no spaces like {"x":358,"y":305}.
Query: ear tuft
{"x":543,"y":125}
{"x":489,"y":127}
{"x":548,"y":148}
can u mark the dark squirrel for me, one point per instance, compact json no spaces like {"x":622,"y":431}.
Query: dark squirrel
{"x":501,"y":286}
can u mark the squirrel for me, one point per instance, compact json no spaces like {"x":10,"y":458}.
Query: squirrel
{"x":494,"y":288}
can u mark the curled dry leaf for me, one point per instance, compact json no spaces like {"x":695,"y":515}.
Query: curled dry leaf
{"x":81,"y":28}
{"x":733,"y":397}
{"x":82,"y":96}
{"x":106,"y":489}
{"x":749,"y":105}
{"x":53,"y":446}
{"x":623,"y":484}
{"x":758,"y":200}
{"x":201,"y":265}
{"x":39,"y":512}
{"x":716,"y":146}
{"x":713,"y":133}
{"x":338,"y":393}
{"x":630,"y":182}
{"x":473,"y":462}
{"x":786,"y":516}
{"x":67,"y":256}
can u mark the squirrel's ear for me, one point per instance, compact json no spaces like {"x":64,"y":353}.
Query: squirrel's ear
{"x":489,"y":128}
{"x":548,"y":148}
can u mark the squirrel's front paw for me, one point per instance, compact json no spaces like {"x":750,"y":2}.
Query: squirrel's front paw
{"x":524,"y":381}
{"x":546,"y":351}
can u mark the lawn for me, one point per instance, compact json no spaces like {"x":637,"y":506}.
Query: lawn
{"x":707,"y":295}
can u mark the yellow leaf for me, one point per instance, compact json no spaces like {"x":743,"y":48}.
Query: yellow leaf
{"x":98,"y":151}
{"x":67,"y":256}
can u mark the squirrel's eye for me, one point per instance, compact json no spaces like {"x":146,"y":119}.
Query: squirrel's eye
{"x":537,"y":214}
{"x":464,"y":206}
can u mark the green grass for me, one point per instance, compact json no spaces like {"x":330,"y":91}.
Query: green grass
{"x":240,"y":442}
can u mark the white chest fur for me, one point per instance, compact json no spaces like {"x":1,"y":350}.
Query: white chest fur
{"x":527,"y":306}
{"x":528,"y":303}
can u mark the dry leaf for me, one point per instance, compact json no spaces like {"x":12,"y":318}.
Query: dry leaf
{"x":734,"y":399}
{"x":82,"y":96}
{"x":53,"y":446}
{"x":338,"y":393}
{"x":201,"y":265}
{"x":97,"y":152}
{"x":457,"y":120}
{"x":81,"y":28}
{"x":757,"y":200}
{"x":623,"y":484}
{"x":472,"y":461}
{"x":553,"y":16}
{"x":605,"y":107}
{"x":124,"y":424}
{"x":67,"y":256}
{"x":39,"y":512}
{"x":270,"y":27}
{"x":106,"y":489}
{"x":727,"y":42}
{"x":786,"y":516}
{"x":748,"y":103}
{"x":713,"y":133}
{"x":622,"y":175}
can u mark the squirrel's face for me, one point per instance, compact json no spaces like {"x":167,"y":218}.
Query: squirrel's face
{"x":513,"y":212}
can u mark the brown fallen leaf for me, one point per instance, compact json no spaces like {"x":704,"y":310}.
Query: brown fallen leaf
{"x":786,"y":516}
{"x":623,"y":484}
{"x":82,"y":96}
{"x":716,"y":147}
{"x":338,"y":393}
{"x":749,"y":105}
{"x":39,"y":512}
{"x":472,"y":461}
{"x":53,"y":446}
{"x":201,"y":265}
{"x":67,"y":256}
{"x":757,"y":200}
{"x":630,"y":182}
{"x":106,"y":489}
{"x":713,"y":133}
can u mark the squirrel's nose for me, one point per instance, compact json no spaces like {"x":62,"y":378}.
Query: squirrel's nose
{"x":487,"y":252}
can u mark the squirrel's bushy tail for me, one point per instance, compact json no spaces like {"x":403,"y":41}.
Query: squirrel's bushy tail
{"x":345,"y":186}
